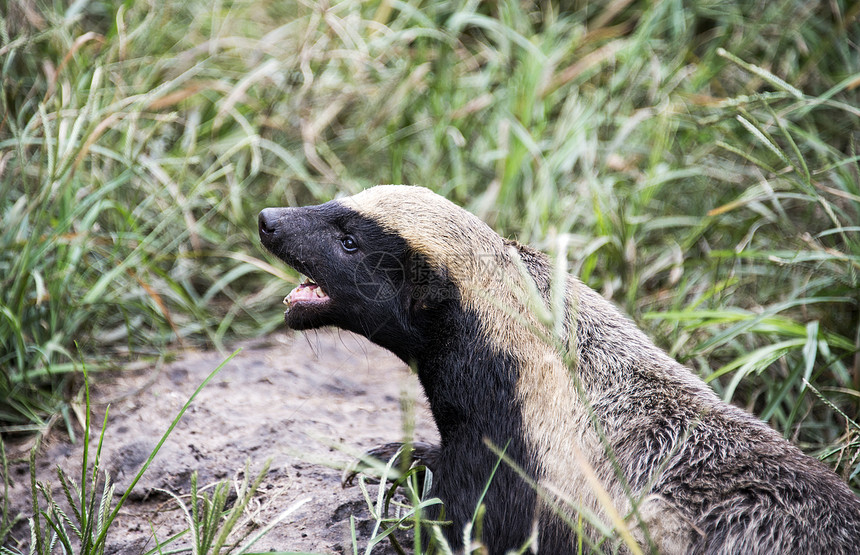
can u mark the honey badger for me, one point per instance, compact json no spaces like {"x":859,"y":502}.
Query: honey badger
{"x":601,"y":409}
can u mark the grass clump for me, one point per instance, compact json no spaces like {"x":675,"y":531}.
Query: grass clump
{"x":412,"y":482}
{"x":215,"y":520}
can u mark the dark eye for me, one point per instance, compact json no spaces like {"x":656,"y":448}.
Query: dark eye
{"x":349,"y":244}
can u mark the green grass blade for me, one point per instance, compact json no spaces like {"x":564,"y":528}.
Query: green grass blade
{"x":101,"y":538}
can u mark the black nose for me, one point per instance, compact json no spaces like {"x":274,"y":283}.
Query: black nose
{"x":268,"y":221}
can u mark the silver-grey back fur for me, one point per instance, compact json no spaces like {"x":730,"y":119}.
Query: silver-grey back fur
{"x":720,"y":480}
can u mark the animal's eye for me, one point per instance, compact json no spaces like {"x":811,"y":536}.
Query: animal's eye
{"x":349,"y":244}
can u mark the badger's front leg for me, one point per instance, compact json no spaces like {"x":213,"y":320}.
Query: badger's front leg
{"x":417,"y":453}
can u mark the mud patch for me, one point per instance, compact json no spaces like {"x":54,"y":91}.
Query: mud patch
{"x":288,"y":398}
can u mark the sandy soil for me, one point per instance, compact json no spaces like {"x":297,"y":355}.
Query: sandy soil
{"x":289,"y":398}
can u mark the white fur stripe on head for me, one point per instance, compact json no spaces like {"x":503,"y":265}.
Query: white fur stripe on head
{"x":432,"y":225}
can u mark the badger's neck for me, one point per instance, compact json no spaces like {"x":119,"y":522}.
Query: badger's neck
{"x":470,"y":382}
{"x":472,"y":387}
{"x":492,"y":378}
{"x":489,"y":367}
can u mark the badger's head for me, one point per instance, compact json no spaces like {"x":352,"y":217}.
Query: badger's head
{"x":389,"y":263}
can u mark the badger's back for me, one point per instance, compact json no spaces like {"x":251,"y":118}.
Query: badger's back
{"x":731,"y":482}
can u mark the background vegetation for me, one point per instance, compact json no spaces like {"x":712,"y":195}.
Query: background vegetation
{"x":700,"y":159}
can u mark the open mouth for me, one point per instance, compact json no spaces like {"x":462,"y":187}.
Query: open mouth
{"x":307,"y":293}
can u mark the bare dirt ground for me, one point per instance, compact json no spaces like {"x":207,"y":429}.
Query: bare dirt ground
{"x":288,"y":398}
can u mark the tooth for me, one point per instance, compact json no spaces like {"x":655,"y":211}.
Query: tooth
{"x":287,"y":300}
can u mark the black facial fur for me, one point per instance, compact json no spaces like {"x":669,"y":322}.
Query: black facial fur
{"x":377,"y":286}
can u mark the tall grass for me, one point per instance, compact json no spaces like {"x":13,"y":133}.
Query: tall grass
{"x":120,"y":227}
{"x":700,"y":158}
